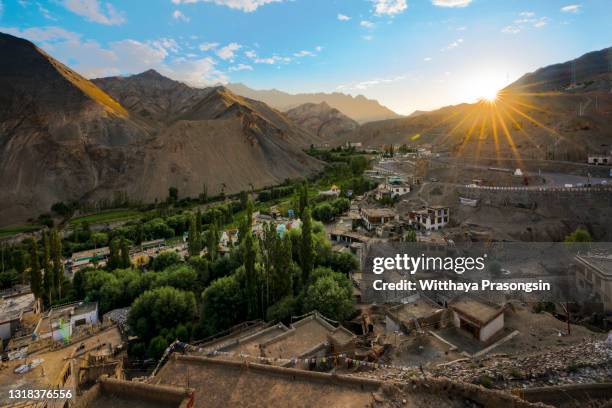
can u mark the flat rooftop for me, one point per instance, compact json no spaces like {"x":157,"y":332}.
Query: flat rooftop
{"x":304,"y":336}
{"x":250,"y":345}
{"x":113,"y":393}
{"x":222,"y":383}
{"x":11,"y":307}
{"x":475,"y":309}
{"x":416,"y":310}
{"x":603,"y":263}
{"x":378,"y":212}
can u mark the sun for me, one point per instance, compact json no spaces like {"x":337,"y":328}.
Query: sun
{"x":483,"y":86}
{"x":489,"y":96}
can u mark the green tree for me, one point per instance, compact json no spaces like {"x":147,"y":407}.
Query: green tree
{"x":212,"y":241}
{"x":172,"y":195}
{"x":114,"y":258}
{"x":331,"y":295}
{"x":161,"y":308}
{"x":204,"y":194}
{"x":35,"y":273}
{"x":302,"y":198}
{"x":157,"y":347}
{"x":579,"y":235}
{"x":125,"y":254}
{"x":48,"y":282}
{"x":223,"y":305}
{"x":164,"y":260}
{"x":58,"y":266}
{"x":306,"y":246}
{"x":323,"y":212}
{"x":410,"y":236}
{"x":282,"y":310}
{"x":193,"y":240}
{"x":250,"y":255}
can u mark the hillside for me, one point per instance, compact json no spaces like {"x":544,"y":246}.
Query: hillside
{"x":65,"y":138}
{"x":322,"y":120}
{"x":358,"y":108}
{"x":542,"y":115}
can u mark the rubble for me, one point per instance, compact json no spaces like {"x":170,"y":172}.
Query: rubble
{"x":585,"y":362}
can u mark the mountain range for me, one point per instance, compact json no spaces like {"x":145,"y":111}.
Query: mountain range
{"x":562,"y":111}
{"x":322,"y":120}
{"x":65,"y":138}
{"x":359,"y":108}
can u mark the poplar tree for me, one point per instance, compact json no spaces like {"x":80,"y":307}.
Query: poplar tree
{"x":58,"y":266}
{"x":35,"y":273}
{"x":125,"y":253}
{"x":48,"y":268}
{"x":306,"y":246}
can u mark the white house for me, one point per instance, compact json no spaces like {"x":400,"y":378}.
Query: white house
{"x":61,"y":321}
{"x":391,"y":190}
{"x":12,"y":309}
{"x":481,"y":319}
{"x":430,"y":218}
{"x":374,"y":217}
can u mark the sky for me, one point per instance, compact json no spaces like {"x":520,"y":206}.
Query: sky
{"x":407,"y":54}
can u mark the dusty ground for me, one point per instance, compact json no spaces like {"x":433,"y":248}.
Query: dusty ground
{"x":47,"y":373}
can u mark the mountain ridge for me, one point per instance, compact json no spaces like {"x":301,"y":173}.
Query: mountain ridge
{"x":358,"y":108}
{"x":64,"y":138}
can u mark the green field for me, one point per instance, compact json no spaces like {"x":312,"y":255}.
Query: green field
{"x":9,"y":231}
{"x":107,"y":216}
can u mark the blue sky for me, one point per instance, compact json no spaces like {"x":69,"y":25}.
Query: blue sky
{"x":408,"y":54}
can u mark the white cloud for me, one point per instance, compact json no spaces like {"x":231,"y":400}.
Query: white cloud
{"x":241,"y":67}
{"x":572,"y":8}
{"x":45,"y":12}
{"x":511,"y":30}
{"x":452,"y":45}
{"x":363,"y":85}
{"x":367,"y":37}
{"x":318,"y":48}
{"x":541,"y":22}
{"x":343,"y":17}
{"x":526,"y":19}
{"x":124,"y":57}
{"x":366,"y":24}
{"x":274,"y":59}
{"x":451,"y":3}
{"x":304,"y":53}
{"x":228,"y":51}
{"x":93,"y":10}
{"x":208,"y":46}
{"x":178,"y":15}
{"x":244,"y":5}
{"x":389,"y":7}
{"x":427,"y":59}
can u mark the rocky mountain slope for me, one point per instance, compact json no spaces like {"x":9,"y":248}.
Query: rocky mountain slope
{"x":543,"y":115}
{"x":322,"y":120}
{"x":65,"y":138}
{"x":358,"y":108}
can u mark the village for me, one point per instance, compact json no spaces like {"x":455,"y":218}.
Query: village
{"x":491,"y":349}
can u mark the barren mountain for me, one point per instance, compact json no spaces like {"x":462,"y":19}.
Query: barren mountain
{"x":563,"y":112}
{"x":358,"y":108}
{"x":63,"y":138}
{"x":322,"y":120}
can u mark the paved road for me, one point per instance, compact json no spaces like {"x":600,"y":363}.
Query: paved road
{"x":553,"y":180}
